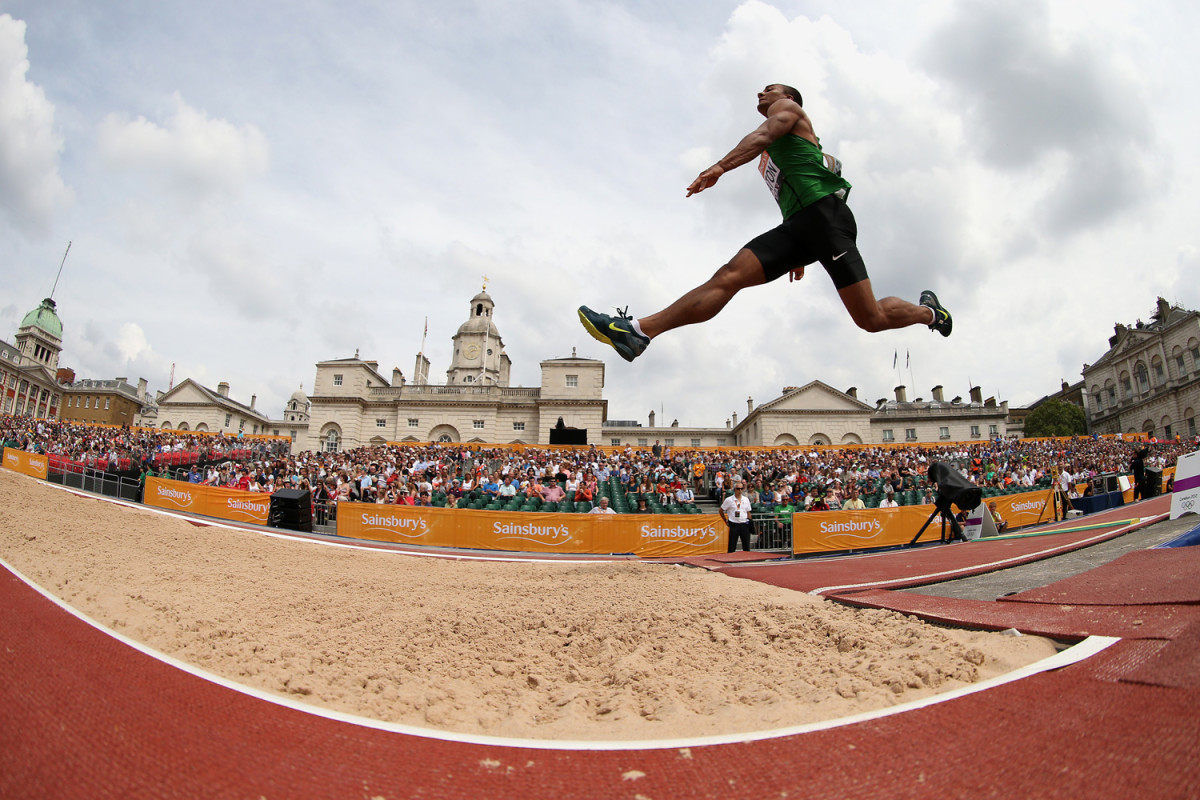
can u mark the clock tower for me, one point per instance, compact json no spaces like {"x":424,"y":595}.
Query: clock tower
{"x":479,"y":356}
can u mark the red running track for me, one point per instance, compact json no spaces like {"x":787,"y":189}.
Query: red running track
{"x":87,"y":716}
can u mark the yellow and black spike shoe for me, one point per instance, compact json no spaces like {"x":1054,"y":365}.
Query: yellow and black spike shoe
{"x":943,"y":323}
{"x":615,"y":331}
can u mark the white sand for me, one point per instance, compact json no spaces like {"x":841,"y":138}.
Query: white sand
{"x":543,"y":650}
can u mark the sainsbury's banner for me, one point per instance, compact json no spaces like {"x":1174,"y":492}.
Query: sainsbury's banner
{"x":31,"y":464}
{"x":1021,"y":510}
{"x":645,"y":535}
{"x":831,"y":531}
{"x":211,"y":501}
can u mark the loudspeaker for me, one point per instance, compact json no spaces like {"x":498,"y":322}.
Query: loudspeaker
{"x":291,"y":509}
{"x":1153,"y":482}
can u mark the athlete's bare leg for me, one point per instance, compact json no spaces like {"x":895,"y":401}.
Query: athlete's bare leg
{"x":703,"y":302}
{"x":881,"y":315}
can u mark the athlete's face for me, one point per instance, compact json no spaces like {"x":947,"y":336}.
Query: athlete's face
{"x":768,"y":96}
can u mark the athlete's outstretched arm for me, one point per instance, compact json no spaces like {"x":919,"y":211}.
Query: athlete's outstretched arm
{"x":781,"y":118}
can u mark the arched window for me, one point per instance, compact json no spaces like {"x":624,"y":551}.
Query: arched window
{"x":330,"y":445}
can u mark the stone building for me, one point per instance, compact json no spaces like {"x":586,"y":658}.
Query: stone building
{"x":818,"y":414}
{"x":353,"y":404}
{"x":190,"y":406}
{"x":1149,"y":379}
{"x":29,"y":366}
{"x":103,"y":402}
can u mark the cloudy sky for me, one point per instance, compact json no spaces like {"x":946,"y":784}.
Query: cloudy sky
{"x":252,"y":187}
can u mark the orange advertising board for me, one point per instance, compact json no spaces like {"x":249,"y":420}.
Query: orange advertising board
{"x":210,"y":501}
{"x":1021,"y":510}
{"x":831,"y":531}
{"x":644,"y":535}
{"x":32,"y":464}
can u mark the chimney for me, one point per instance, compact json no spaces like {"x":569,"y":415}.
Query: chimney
{"x":749,"y":405}
{"x":976,"y":394}
{"x":397,"y":377}
{"x":121,"y":380}
{"x":990,"y":402}
{"x":853,"y":392}
{"x":1065,"y":386}
{"x":223,"y":389}
{"x":141,"y":389}
{"x":652,"y":418}
{"x":421,"y":371}
{"x":735,"y":419}
{"x":901,"y":395}
{"x":727,"y":425}
{"x":938,"y":397}
{"x":1164,"y":308}
{"x":253,"y":398}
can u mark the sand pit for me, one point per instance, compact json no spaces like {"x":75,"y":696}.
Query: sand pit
{"x":542,"y":650}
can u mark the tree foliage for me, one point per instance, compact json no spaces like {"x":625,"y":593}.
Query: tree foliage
{"x":1055,"y":418}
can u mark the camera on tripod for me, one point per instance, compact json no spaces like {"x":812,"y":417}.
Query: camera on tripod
{"x":952,"y":490}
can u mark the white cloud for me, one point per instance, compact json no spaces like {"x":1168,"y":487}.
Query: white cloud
{"x":131,"y":341}
{"x":31,"y":189}
{"x":193,"y":154}
{"x":301,"y":186}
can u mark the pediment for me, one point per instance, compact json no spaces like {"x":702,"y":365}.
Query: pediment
{"x":187,"y":392}
{"x":817,"y":396}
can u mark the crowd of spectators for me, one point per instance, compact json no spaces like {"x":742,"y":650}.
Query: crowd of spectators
{"x":101,"y":446}
{"x":799,"y":478}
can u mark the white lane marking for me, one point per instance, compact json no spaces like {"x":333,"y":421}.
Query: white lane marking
{"x":1085,"y":649}
{"x":992,"y":564}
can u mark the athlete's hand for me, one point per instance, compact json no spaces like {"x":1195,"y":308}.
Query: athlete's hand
{"x":705,"y":179}
{"x":796,"y":274}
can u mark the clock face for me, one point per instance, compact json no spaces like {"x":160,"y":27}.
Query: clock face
{"x":471,"y":351}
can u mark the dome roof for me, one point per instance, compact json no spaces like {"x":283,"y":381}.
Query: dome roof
{"x":44,"y":317}
{"x":480,"y":325}
{"x":299,"y":396}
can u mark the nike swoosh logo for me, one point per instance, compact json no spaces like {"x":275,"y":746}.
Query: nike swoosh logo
{"x":839,"y":255}
{"x":613,"y":326}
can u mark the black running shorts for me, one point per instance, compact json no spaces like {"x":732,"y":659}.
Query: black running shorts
{"x":825,"y":232}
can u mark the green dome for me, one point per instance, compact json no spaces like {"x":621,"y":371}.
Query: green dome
{"x":45,"y":318}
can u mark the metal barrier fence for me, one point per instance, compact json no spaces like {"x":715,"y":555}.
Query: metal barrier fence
{"x":325,"y":517}
{"x":96,"y":481}
{"x":772,"y":532}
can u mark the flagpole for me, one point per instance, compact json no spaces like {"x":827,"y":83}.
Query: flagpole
{"x":908,"y":363}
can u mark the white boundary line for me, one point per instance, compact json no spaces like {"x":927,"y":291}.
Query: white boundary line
{"x":1085,"y":649}
{"x":993,"y":564}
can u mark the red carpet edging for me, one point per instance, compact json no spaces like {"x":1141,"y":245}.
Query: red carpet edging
{"x":87,"y":716}
{"x":93,"y":717}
